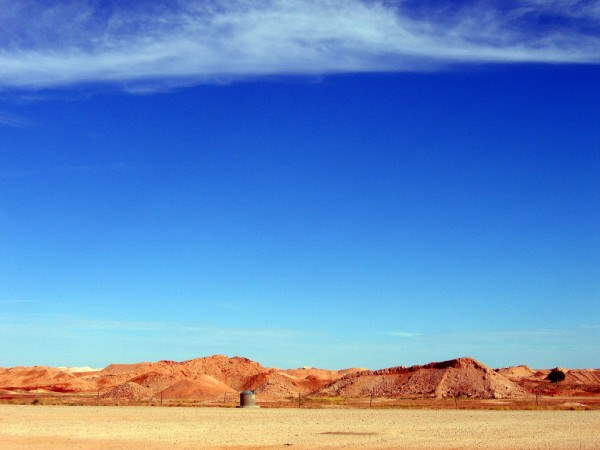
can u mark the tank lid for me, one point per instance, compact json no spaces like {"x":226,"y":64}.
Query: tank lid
{"x":248,"y":392}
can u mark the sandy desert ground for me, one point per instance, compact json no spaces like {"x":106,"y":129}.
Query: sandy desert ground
{"x":62,"y":427}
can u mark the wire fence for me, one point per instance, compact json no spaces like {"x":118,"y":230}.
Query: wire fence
{"x":299,"y":400}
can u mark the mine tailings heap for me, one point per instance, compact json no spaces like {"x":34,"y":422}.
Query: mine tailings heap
{"x":462,"y":377}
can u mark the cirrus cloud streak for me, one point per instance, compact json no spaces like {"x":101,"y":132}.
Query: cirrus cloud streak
{"x":190,"y":41}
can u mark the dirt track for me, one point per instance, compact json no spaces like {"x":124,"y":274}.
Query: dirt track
{"x":61,"y":427}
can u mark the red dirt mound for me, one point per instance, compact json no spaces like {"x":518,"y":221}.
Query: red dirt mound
{"x":323,"y":374}
{"x":203,"y":388}
{"x":141,"y":368}
{"x":463,"y":376}
{"x":128,"y":391}
{"x":577,"y":382}
{"x":119,"y":369}
{"x":278,"y":383}
{"x":457,"y":377}
{"x":40,"y":377}
{"x":516,"y":372}
{"x":115,"y":374}
{"x":275,"y":383}
{"x":232,"y":371}
{"x":154,"y":381}
{"x":583,"y":376}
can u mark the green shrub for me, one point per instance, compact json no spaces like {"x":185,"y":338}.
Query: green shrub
{"x":556,"y":375}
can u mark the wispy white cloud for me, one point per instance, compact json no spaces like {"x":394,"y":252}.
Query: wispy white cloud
{"x":567,"y":8}
{"x":156,"y":47}
{"x":404,"y":334}
{"x":249,"y":333}
{"x":492,"y":334}
{"x":73,"y":325}
{"x":522,"y":334}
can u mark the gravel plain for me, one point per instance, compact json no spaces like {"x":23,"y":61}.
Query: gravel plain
{"x":107,"y":428}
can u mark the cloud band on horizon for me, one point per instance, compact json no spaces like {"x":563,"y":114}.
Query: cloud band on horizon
{"x":47,"y":45}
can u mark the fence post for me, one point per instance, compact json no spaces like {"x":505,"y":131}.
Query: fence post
{"x":161,"y":398}
{"x":298,"y":399}
{"x":455,"y":402}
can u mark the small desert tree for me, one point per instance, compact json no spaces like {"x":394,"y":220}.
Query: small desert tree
{"x":556,"y":375}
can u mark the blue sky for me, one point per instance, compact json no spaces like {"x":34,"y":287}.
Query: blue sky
{"x":302,"y":183}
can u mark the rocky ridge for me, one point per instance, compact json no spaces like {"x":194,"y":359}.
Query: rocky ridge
{"x":217,"y":376}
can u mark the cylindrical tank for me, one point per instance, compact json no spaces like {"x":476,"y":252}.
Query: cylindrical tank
{"x":248,"y":399}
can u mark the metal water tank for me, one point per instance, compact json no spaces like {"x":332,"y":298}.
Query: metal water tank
{"x":248,"y":399}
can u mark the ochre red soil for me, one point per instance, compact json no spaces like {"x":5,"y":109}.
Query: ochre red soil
{"x":462,"y":377}
{"x":577,"y":382}
{"x":217,"y":376}
{"x":204,"y":387}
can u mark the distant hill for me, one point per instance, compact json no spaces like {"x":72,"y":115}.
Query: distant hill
{"x":214,"y":376}
{"x":577,"y":382}
{"x":457,"y":377}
